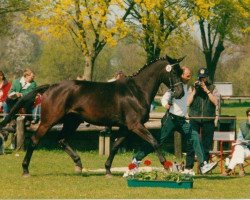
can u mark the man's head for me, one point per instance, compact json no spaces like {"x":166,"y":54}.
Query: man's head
{"x":186,"y":75}
{"x":28,"y":75}
{"x":203,"y":74}
{"x":119,"y":75}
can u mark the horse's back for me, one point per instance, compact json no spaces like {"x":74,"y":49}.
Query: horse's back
{"x":96,"y":102}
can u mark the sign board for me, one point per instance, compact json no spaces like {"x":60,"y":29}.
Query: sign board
{"x":224,"y":88}
{"x":224,"y":135}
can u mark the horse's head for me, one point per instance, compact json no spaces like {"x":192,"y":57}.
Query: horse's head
{"x":172,"y":76}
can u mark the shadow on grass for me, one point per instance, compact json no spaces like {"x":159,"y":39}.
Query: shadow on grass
{"x":9,"y":151}
{"x":216,"y":177}
{"x":84,"y":174}
{"x":120,"y":174}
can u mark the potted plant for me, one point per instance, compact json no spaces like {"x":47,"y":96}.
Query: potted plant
{"x":154,"y":177}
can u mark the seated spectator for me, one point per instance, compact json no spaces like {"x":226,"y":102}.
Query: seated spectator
{"x":19,"y":88}
{"x":4,"y":89}
{"x":242,"y":147}
{"x":36,"y":112}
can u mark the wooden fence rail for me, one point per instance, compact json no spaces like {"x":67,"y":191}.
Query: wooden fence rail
{"x":237,"y":98}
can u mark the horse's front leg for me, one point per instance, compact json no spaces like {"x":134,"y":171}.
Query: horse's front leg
{"x":112,"y":154}
{"x":69,"y":127}
{"x":141,"y":131}
{"x":74,"y":156}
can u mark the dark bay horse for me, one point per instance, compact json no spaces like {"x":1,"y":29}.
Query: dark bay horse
{"x":124,"y":103}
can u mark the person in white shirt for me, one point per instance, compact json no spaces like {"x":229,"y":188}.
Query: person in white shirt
{"x":175,"y":120}
{"x":242,"y":147}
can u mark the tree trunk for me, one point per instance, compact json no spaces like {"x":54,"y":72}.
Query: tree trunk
{"x":218,"y":50}
{"x":212,"y":55}
{"x":88,"y":68}
{"x":212,"y":61}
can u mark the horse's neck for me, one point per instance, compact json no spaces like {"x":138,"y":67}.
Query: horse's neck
{"x":149,"y":82}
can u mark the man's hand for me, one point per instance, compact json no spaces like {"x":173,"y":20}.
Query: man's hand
{"x":193,"y":91}
{"x":167,"y":106}
{"x":204,"y":87}
{"x":216,"y":121}
{"x":19,"y":94}
{"x":241,"y":142}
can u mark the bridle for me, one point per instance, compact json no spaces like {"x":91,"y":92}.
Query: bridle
{"x":172,"y":86}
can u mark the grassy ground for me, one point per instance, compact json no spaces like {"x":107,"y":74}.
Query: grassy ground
{"x":52,"y":176}
{"x":236,"y":109}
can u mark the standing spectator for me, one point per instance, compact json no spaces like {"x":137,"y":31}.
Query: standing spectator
{"x":118,"y":75}
{"x":19,"y":88}
{"x":242,"y":147}
{"x":175,"y":120}
{"x":202,"y":102}
{"x":4,"y":89}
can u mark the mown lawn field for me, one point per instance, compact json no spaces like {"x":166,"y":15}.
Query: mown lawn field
{"x":52,"y":176}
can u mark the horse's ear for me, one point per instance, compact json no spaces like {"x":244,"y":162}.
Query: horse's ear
{"x":181,"y":59}
{"x":170,"y":60}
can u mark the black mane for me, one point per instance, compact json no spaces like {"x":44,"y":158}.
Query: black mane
{"x":146,"y":65}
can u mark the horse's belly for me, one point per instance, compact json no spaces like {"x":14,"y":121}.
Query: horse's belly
{"x":102,"y":118}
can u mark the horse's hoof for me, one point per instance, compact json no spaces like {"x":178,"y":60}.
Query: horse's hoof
{"x":26,"y":175}
{"x":78,"y":169}
{"x":84,"y":170}
{"x":108,"y":175}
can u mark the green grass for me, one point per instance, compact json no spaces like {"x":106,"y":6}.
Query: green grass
{"x":52,"y":176}
{"x":238,"y":110}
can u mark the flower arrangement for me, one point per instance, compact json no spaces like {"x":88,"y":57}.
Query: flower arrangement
{"x":156,"y":174}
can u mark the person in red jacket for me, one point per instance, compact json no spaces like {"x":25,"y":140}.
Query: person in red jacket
{"x":4,"y":89}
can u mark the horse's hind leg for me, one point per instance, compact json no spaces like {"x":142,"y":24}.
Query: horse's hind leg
{"x":119,"y":140}
{"x":42,"y":130}
{"x":112,"y":154}
{"x":70,"y":125}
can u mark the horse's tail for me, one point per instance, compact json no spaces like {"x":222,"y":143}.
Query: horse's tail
{"x":23,"y":102}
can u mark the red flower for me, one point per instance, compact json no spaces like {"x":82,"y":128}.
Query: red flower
{"x":167,"y":164}
{"x":147,"y":162}
{"x":131,"y":166}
